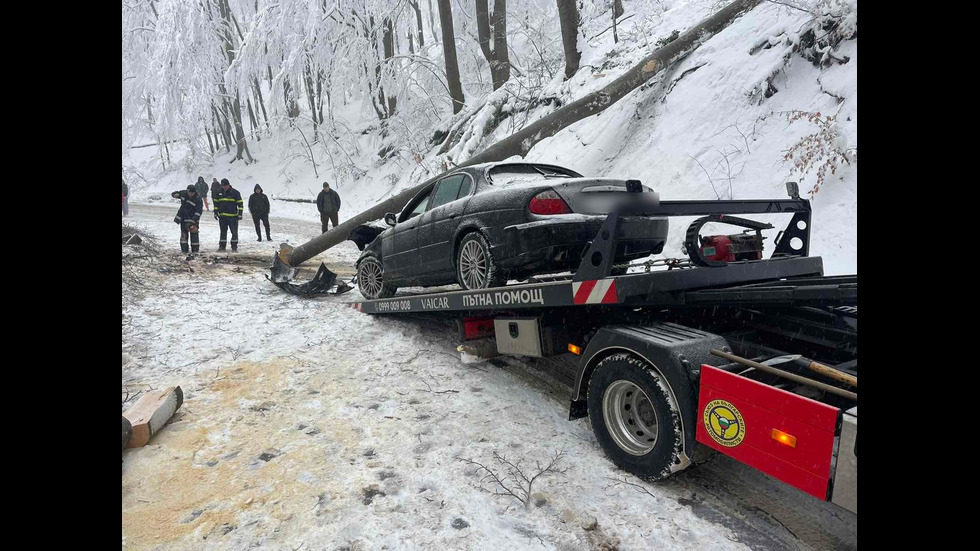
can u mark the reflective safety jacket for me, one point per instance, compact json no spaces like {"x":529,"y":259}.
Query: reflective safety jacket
{"x":190,"y":208}
{"x":230,"y":203}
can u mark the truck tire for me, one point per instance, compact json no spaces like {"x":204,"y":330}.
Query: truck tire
{"x":370,"y":279}
{"x":635,"y":417}
{"x":475,"y":266}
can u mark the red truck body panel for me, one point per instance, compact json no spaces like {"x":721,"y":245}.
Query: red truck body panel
{"x":737,"y":416}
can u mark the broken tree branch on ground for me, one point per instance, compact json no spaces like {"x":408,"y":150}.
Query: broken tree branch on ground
{"x":518,"y":483}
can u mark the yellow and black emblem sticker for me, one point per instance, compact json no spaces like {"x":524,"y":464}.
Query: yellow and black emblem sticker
{"x":724,"y":423}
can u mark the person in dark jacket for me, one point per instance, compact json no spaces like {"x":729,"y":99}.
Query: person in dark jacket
{"x":189,"y":217}
{"x":258,"y":205}
{"x":328,"y":203}
{"x":202,"y":190}
{"x":125,"y":199}
{"x":228,"y":210}
{"x":215,"y":192}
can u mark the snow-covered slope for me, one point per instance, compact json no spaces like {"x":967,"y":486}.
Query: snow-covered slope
{"x":719,"y":124}
{"x":716,"y":135}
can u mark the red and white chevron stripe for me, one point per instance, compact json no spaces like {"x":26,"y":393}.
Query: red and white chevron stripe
{"x":356,"y":305}
{"x":599,"y":291}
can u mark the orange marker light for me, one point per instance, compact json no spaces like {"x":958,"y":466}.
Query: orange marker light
{"x":783,"y":438}
{"x":577,"y":350}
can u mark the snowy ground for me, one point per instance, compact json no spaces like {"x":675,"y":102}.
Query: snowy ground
{"x":295,"y":226}
{"x":308,"y":425}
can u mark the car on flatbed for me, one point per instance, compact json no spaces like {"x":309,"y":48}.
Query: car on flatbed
{"x":483,"y":225}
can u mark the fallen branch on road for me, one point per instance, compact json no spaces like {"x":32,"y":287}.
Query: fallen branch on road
{"x":520,"y":483}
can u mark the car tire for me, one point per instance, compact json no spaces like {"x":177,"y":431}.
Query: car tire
{"x":634,"y":416}
{"x":475,"y":266}
{"x":370,"y":279}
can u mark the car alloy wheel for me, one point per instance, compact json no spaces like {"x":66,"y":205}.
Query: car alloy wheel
{"x":370,"y":279}
{"x":474,"y":265}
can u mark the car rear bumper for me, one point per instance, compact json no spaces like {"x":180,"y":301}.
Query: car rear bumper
{"x":557,"y":243}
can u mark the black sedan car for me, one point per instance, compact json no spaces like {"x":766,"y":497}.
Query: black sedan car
{"x":483,"y":225}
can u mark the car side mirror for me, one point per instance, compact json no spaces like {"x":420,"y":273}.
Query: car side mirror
{"x":390,"y":219}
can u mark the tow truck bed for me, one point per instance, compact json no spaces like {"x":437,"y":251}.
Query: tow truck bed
{"x":784,"y":281}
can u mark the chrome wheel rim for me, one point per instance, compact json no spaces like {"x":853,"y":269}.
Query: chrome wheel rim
{"x":474,"y":265}
{"x":369,"y":278}
{"x":630,"y":417}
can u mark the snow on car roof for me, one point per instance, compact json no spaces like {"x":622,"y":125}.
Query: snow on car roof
{"x":517,"y":173}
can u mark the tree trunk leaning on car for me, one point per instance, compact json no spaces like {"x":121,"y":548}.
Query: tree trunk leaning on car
{"x":522,"y":141}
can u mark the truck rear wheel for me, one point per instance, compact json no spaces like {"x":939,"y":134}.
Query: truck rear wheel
{"x":635,"y":417}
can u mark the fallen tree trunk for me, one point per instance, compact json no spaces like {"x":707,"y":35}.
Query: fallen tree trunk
{"x":522,"y":141}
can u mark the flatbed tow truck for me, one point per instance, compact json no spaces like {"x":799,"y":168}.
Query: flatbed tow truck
{"x":755,"y":359}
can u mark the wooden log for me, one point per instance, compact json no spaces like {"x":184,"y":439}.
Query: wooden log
{"x":151,"y":412}
{"x":127,"y":431}
{"x":834,"y":374}
{"x":786,"y":375}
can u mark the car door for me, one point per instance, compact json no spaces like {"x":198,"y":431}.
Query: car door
{"x":400,"y":251}
{"x":438,"y":226}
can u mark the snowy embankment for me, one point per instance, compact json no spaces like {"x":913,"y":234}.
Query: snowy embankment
{"x":717,"y":125}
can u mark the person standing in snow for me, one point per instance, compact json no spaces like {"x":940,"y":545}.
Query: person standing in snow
{"x":215,"y":192}
{"x":125,"y":199}
{"x":258,"y":205}
{"x":189,"y":217}
{"x":228,"y":210}
{"x":328,"y":203}
{"x":202,"y":190}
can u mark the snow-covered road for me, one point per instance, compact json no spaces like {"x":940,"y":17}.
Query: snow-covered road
{"x":309,"y":425}
{"x":158,"y":219}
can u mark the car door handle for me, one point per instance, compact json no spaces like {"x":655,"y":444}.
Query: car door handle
{"x":451,"y":216}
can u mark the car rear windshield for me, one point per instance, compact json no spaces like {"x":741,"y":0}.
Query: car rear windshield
{"x":515,"y":174}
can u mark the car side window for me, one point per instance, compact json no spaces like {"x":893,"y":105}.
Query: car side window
{"x":446,"y":191}
{"x":420,"y":207}
{"x":464,"y":188}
